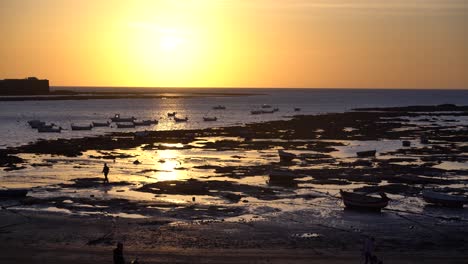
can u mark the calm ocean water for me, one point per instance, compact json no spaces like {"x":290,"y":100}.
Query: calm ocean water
{"x":14,"y":115}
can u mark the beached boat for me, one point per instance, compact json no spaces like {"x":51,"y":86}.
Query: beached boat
{"x":117,"y":118}
{"x":367,"y":153}
{"x":406,"y":143}
{"x":360,"y":201}
{"x":210,"y":119}
{"x":286,"y":156}
{"x":297,"y":109}
{"x":145,"y":122}
{"x":125,"y":125}
{"x":172,"y":114}
{"x":178,"y":119}
{"x":49,"y":129}
{"x":256,"y":112}
{"x":219,"y":107}
{"x":81,"y":127}
{"x":444,"y":199}
{"x":101,"y":124}
{"x":13,"y":193}
{"x":35,"y":123}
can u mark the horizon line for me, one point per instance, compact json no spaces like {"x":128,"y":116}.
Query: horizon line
{"x":244,"y":87}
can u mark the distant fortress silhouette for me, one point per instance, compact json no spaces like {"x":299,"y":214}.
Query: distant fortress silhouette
{"x":27,"y":86}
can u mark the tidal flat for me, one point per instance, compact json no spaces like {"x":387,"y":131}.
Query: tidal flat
{"x":194,"y":196}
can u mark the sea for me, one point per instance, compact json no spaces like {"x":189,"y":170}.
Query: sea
{"x":196,"y":103}
{"x":56,"y":178}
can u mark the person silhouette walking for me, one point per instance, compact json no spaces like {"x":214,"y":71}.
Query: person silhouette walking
{"x":105,"y":170}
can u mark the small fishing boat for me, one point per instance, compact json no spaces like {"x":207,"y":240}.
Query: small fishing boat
{"x":178,"y":119}
{"x":35,"y":123}
{"x":297,"y":109}
{"x":444,"y":199}
{"x":125,"y":125}
{"x":219,"y":107}
{"x":286,"y":156}
{"x":256,"y":112}
{"x":117,"y":118}
{"x":406,"y":143}
{"x":361,"y":201}
{"x":145,"y":122}
{"x":367,"y":153}
{"x":13,"y":193}
{"x":172,"y":114}
{"x":210,"y":119}
{"x":266,"y":106}
{"x":49,"y":129}
{"x":101,"y":124}
{"x":81,"y":127}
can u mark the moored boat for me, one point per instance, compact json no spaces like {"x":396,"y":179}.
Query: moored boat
{"x":286,"y":156}
{"x":100,"y":124}
{"x":145,"y":122}
{"x":49,"y":129}
{"x":210,"y":119}
{"x":178,"y":119}
{"x":125,"y":125}
{"x":367,"y":153}
{"x":117,"y":118}
{"x":81,"y":127}
{"x":219,"y":107}
{"x":444,"y":199}
{"x":360,"y":201}
{"x":13,"y":193}
{"x":36,"y":123}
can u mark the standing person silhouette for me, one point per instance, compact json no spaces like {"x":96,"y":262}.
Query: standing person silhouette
{"x":105,"y":170}
{"x":118,"y":254}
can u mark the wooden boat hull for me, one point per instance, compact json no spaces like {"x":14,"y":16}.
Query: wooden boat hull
{"x":80,"y":128}
{"x":362,"y":202}
{"x":97,"y":124}
{"x":444,"y":199}
{"x":125,"y":125}
{"x":49,"y":130}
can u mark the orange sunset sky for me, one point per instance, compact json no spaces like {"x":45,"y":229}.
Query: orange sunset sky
{"x":237,"y":43}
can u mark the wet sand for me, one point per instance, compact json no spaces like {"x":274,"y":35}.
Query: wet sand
{"x":236,"y":211}
{"x":298,"y":237}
